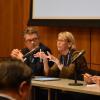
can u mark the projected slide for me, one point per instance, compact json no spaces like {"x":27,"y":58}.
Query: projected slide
{"x":66,"y":9}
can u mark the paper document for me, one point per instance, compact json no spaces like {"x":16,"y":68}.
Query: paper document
{"x":43,"y":78}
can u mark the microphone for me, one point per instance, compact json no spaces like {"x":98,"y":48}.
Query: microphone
{"x":30,"y":52}
{"x":78,"y":55}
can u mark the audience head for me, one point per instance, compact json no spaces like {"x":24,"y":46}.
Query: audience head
{"x":65,"y":41}
{"x":15,"y":79}
{"x":31,"y":37}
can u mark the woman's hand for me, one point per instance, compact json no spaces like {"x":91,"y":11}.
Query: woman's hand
{"x":56,"y":60}
{"x":41,"y":55}
{"x":53,"y":58}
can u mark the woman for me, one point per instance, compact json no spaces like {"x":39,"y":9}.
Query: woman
{"x":63,"y":66}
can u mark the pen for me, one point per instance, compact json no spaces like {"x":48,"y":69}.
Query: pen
{"x":40,"y":56}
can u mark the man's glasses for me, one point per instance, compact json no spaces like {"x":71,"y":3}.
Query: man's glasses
{"x":30,"y":40}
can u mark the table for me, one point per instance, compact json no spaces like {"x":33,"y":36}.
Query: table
{"x":63,"y":84}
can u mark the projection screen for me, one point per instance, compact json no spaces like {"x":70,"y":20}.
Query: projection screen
{"x":43,"y":10}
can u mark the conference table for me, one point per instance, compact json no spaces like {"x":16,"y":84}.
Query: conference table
{"x":64,"y":85}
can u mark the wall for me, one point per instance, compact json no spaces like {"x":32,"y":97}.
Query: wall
{"x":13,"y":19}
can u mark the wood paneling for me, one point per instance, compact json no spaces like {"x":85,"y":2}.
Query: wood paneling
{"x":6,"y":26}
{"x":95,"y":48}
{"x":12,"y":22}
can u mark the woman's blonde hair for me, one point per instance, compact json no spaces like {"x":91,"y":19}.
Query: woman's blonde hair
{"x":69,"y":37}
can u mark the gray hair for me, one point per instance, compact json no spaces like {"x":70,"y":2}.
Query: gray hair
{"x":30,"y":30}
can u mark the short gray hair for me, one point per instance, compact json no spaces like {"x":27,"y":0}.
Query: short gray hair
{"x":30,"y":30}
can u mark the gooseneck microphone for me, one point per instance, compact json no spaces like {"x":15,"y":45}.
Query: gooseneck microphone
{"x":78,"y":55}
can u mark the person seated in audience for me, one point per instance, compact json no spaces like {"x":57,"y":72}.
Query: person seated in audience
{"x":63,"y":66}
{"x":32,"y":46}
{"x":15,"y":80}
{"x":90,"y":79}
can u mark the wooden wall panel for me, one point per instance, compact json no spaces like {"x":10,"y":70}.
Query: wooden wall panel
{"x":82,"y":36}
{"x":18,"y":13}
{"x":95,"y":48}
{"x":6,"y":26}
{"x":13,"y":20}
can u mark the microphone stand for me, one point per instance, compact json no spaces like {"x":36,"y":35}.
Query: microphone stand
{"x":76,"y":66}
{"x":75,"y":77}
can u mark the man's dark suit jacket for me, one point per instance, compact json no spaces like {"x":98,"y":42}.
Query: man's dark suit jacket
{"x":34,"y":63}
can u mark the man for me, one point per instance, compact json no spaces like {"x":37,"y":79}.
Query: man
{"x":32,"y":46}
{"x":15,"y":80}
